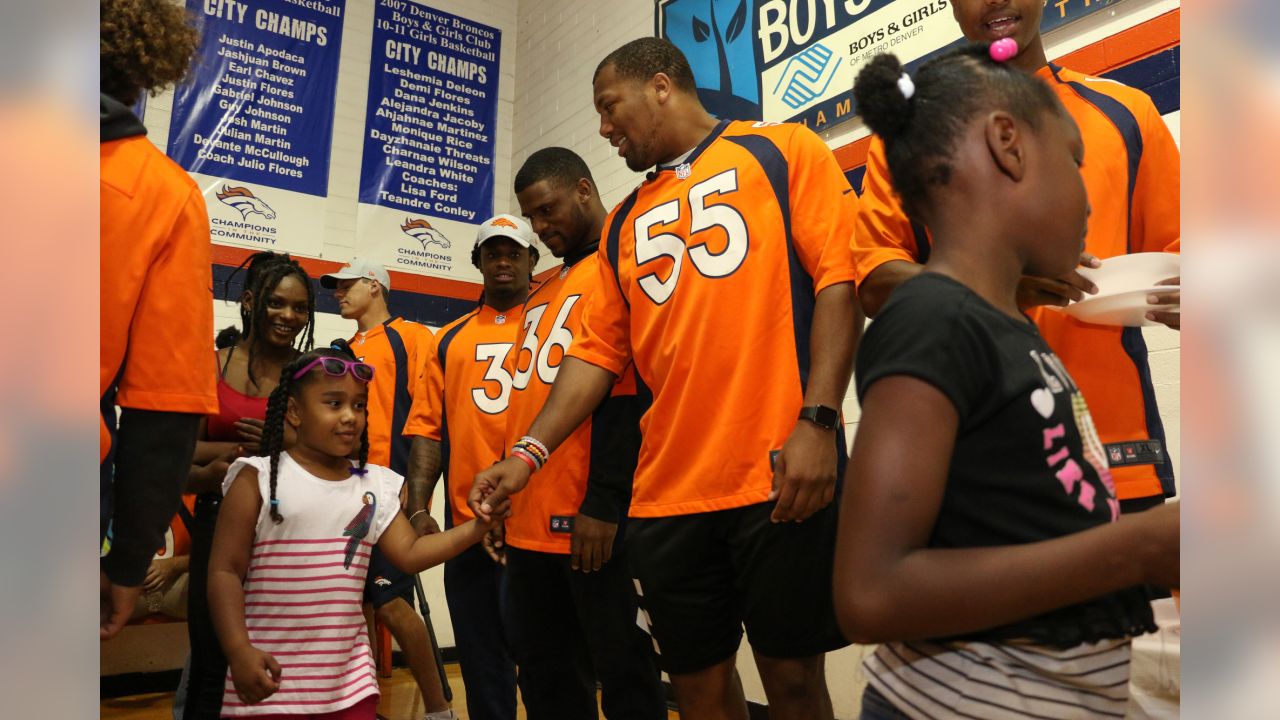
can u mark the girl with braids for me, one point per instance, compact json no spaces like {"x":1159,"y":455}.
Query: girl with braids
{"x":277,"y":311}
{"x":291,"y":551}
{"x":978,"y":527}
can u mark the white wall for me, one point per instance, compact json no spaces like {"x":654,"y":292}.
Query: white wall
{"x":561,"y":42}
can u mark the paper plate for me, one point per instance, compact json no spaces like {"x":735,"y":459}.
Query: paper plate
{"x":1125,"y":273}
{"x":1126,"y":309}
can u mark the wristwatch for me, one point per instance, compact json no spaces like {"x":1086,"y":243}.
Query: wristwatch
{"x":821,"y":415}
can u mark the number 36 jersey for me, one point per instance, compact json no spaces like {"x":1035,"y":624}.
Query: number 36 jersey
{"x":707,"y":279}
{"x":461,"y":399}
{"x":552,"y":321}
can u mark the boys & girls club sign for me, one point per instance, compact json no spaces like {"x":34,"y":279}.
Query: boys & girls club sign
{"x":795,"y":60}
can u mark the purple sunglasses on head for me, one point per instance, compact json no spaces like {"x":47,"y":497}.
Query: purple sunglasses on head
{"x":338,"y":367}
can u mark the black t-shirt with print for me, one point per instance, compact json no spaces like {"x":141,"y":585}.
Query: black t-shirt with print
{"x":1028,"y":464}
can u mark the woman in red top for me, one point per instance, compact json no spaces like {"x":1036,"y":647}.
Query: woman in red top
{"x":277,"y":314}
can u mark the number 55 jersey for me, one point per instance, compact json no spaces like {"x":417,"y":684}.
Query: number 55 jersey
{"x":708,"y":276}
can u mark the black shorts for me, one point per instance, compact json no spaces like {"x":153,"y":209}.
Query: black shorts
{"x":385,"y":582}
{"x":702,"y":577}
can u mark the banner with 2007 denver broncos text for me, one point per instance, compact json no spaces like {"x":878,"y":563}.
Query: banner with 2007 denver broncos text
{"x":795,"y":60}
{"x":253,"y":122}
{"x":427,"y":176}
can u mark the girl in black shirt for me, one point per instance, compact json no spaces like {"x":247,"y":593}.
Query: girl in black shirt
{"x":978,"y":537}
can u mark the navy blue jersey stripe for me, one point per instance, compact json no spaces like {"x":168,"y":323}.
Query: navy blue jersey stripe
{"x":442,"y":351}
{"x":401,"y":401}
{"x":442,"y":348}
{"x":1126,"y":124}
{"x":1135,"y":346}
{"x":774,"y":165}
{"x":614,"y":237}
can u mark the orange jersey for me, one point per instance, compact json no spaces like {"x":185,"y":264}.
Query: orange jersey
{"x":396,"y":349}
{"x":462,"y":396}
{"x":552,"y":320}
{"x":156,"y":288}
{"x":1131,"y":172}
{"x":707,"y":279}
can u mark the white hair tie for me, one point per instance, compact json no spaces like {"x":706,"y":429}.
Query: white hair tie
{"x":907,"y":87}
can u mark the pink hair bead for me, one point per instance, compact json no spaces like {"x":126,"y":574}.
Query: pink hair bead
{"x":1003,"y":49}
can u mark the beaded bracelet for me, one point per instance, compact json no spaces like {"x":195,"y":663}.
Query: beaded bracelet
{"x":528,"y":459}
{"x":536,"y":443}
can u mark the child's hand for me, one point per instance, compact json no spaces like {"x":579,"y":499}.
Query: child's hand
{"x":256,"y":674}
{"x":494,"y":542}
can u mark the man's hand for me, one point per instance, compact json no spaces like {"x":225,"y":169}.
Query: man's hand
{"x":1167,"y":304}
{"x":424,"y":524}
{"x":591,"y":545}
{"x":256,"y":674}
{"x":208,"y":477}
{"x":162,"y":573}
{"x":491,"y":492}
{"x":250,"y":432}
{"x":115,"y":606}
{"x":1072,"y":287}
{"x":804,"y":474}
{"x":495,"y":543}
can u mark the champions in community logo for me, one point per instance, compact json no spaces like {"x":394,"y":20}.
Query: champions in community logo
{"x":422,"y":231}
{"x":242,"y":198}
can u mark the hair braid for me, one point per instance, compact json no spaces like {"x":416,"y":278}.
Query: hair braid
{"x":364,"y":447}
{"x":273,"y":430}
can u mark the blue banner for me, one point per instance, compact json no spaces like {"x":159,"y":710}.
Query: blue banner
{"x":432,"y":113}
{"x":795,"y":60}
{"x":258,"y":105}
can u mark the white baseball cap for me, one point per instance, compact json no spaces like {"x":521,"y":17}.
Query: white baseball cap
{"x":358,"y":268}
{"x":507,"y":226}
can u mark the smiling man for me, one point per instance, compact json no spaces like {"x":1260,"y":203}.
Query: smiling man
{"x":396,"y":349}
{"x":1131,"y":173}
{"x":725,"y":279}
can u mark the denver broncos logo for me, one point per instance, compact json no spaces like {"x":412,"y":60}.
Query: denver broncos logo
{"x":503,"y":222}
{"x":422,"y":231}
{"x":243,"y":199}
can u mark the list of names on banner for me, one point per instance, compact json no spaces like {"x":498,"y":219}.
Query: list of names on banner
{"x":432,"y":113}
{"x":259,"y":105}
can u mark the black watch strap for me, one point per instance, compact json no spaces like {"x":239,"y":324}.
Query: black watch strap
{"x":821,"y":415}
